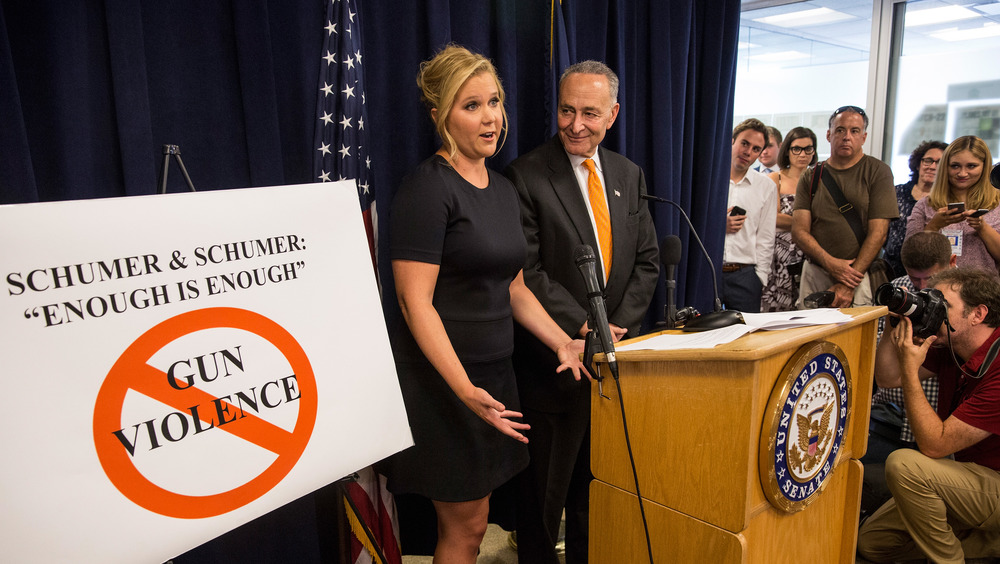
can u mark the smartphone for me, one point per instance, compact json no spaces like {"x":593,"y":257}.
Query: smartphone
{"x":738,"y":211}
{"x":960,"y":206}
{"x":979,"y":213}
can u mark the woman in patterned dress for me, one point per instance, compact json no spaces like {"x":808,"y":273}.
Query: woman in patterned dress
{"x":798,"y":151}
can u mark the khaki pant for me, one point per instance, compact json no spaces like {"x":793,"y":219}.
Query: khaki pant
{"x":815,"y":279}
{"x":940,"y":509}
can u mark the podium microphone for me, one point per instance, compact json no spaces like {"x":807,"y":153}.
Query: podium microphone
{"x":598,"y":320}
{"x":586,"y":261}
{"x":717,"y":318}
{"x":670,"y":256}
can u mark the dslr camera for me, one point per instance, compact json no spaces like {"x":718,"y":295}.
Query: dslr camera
{"x":926,"y":309}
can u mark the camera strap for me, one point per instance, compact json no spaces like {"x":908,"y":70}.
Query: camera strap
{"x":991,"y":355}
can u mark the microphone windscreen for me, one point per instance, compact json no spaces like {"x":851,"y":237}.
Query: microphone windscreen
{"x":670,"y":250}
{"x":584,"y":253}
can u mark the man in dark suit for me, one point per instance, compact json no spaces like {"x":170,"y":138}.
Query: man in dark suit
{"x":574,"y":192}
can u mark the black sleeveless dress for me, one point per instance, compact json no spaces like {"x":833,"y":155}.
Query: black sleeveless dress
{"x":475,"y":236}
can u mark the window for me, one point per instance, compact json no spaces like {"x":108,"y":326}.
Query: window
{"x":798,"y":61}
{"x":948,"y":84}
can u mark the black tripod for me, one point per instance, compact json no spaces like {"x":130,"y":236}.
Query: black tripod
{"x":175,"y":151}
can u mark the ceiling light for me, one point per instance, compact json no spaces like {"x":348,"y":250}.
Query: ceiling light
{"x":780,"y":56}
{"x":954,"y":34}
{"x":804,"y":18}
{"x":992,"y":9}
{"x":941,"y":15}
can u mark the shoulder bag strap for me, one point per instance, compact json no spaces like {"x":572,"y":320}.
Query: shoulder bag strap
{"x":846,"y":208}
{"x":817,"y":172}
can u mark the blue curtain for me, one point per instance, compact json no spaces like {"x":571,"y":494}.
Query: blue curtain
{"x":676,"y":61}
{"x":91,"y":90}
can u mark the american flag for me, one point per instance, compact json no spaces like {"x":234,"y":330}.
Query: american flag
{"x":340,"y":139}
{"x":342,"y":153}
{"x":561,"y":52}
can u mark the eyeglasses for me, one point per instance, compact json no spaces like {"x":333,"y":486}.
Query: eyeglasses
{"x":929,"y":161}
{"x":854,"y":109}
{"x":809,"y":149}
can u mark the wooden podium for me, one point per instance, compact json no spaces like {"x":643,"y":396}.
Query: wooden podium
{"x":695,"y":419}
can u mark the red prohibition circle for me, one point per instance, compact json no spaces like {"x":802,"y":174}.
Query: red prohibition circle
{"x":131,"y":372}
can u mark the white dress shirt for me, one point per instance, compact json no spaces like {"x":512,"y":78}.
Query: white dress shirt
{"x":754,"y":242}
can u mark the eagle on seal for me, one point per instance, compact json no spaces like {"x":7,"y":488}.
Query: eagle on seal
{"x":814,"y":434}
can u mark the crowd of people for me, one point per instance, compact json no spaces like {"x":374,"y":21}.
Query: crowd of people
{"x":931,"y":487}
{"x":837,"y":226}
{"x":494,"y":307}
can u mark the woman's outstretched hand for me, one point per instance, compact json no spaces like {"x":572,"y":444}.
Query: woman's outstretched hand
{"x":493,"y":412}
{"x":569,"y":358}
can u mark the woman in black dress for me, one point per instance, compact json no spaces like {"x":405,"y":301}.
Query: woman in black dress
{"x":457,"y":250}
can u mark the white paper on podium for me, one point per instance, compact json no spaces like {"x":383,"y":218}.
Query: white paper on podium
{"x":178,"y":365}
{"x":754,"y":322}
{"x":799,"y":318}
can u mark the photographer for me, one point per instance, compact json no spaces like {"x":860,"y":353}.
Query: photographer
{"x":923,"y":255}
{"x":944,"y":509}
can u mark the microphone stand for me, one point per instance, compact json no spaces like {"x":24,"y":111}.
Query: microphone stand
{"x":591,"y":346}
{"x":717,"y":306}
{"x":717,"y":318}
{"x":670,"y":308}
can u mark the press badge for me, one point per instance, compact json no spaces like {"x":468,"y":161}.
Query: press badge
{"x":955,"y":238}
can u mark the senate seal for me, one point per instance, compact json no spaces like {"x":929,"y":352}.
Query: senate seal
{"x":804,"y":426}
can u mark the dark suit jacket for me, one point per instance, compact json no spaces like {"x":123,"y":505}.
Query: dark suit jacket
{"x":555,"y":221}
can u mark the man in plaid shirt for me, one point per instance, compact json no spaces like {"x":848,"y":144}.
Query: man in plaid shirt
{"x":923,"y":255}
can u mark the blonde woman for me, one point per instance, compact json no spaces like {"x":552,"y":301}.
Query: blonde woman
{"x":457,"y":251}
{"x":963,"y":178}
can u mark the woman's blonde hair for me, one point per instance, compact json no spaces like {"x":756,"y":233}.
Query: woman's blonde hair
{"x":440,"y":79}
{"x":981,"y":195}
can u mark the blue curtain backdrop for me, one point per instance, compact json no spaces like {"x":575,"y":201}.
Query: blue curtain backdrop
{"x":90,"y":90}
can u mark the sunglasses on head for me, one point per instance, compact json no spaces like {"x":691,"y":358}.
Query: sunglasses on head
{"x":854,"y":109}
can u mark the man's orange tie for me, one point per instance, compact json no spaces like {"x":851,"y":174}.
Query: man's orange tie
{"x":599,"y":204}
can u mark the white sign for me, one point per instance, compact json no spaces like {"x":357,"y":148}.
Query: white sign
{"x":175,"y":366}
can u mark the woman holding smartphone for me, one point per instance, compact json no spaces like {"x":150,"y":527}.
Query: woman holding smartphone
{"x":962,"y":205}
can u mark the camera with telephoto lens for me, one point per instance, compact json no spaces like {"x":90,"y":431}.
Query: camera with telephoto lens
{"x":926,"y":309}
